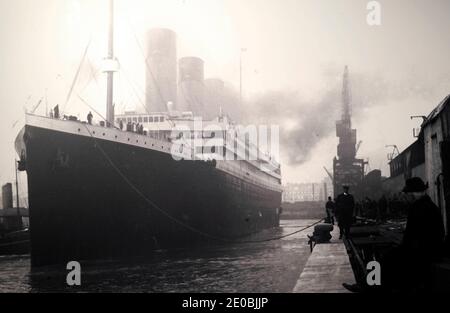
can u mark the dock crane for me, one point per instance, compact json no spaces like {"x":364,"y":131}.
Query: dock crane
{"x":328,"y":172}
{"x":358,"y":146}
{"x":395,"y":152}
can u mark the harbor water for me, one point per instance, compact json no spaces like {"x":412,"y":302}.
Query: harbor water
{"x":268,"y":266}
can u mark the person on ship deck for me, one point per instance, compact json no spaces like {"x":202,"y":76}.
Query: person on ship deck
{"x":89,"y":118}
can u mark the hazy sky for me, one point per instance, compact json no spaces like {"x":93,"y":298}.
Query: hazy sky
{"x":296,"y":50}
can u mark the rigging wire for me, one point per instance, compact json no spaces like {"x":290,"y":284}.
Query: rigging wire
{"x":69,"y":95}
{"x":134,"y":89}
{"x":91,"y":107}
{"x":93,"y":72}
{"x":148,"y":67}
{"x":136,"y":94}
{"x":141,"y":49}
{"x":134,"y":84}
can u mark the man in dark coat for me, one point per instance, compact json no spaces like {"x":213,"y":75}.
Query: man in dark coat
{"x":330,"y":208}
{"x":407,"y":268}
{"x":345,"y":205}
{"x":422,"y":243}
{"x":424,"y":233}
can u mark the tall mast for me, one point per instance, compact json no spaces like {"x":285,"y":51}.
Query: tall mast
{"x":110,"y":72}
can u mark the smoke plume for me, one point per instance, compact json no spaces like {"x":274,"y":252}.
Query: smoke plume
{"x":302,"y":124}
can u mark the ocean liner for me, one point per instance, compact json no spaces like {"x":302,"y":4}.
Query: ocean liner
{"x":114,"y":189}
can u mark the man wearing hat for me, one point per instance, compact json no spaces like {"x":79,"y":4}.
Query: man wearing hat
{"x":408,"y":267}
{"x":424,"y":233}
{"x":423,"y":239}
{"x":345,"y":204}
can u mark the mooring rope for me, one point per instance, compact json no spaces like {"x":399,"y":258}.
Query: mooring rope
{"x":179,"y":222}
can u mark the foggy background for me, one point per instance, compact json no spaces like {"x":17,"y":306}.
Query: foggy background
{"x":295,"y":53}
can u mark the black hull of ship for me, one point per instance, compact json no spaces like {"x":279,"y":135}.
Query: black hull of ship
{"x":96,"y":199}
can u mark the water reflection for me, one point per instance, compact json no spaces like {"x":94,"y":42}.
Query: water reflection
{"x":272,"y":266}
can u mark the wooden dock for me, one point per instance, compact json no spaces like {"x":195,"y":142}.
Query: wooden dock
{"x":327,"y":268}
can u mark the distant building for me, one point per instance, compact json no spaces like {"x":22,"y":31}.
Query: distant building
{"x":300,"y":192}
{"x":7,"y":196}
{"x":13,"y":219}
{"x":428,"y":158}
{"x":326,"y":189}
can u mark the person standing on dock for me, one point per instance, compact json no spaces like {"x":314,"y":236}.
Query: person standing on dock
{"x":330,"y":208}
{"x":345,"y":205}
{"x":424,"y":228}
{"x":423,"y":239}
{"x":408,"y":267}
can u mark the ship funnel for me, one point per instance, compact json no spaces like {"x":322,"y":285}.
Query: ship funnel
{"x":191,"y":85}
{"x":161,"y":72}
{"x":7,"y":196}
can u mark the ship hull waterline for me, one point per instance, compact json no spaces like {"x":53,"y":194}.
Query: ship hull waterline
{"x":96,"y":199}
